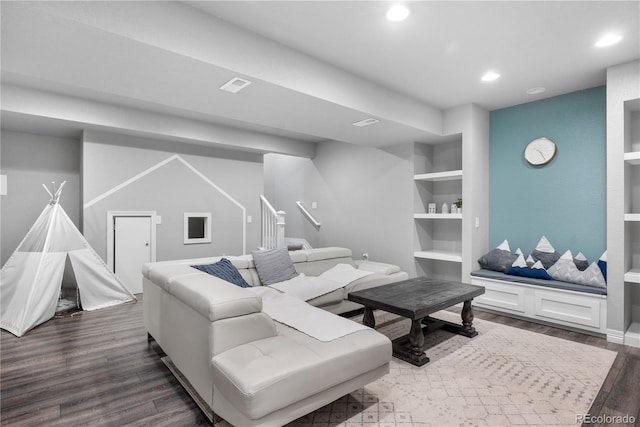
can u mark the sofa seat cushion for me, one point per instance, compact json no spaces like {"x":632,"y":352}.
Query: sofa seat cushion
{"x":319,"y":254}
{"x":266,"y":375}
{"x":331,"y":298}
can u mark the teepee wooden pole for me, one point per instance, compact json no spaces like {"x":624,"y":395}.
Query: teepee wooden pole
{"x":47,"y":190}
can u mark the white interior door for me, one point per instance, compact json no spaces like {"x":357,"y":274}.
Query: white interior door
{"x":132,"y":248}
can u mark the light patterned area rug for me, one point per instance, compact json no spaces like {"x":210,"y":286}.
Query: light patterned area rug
{"x":503,"y":377}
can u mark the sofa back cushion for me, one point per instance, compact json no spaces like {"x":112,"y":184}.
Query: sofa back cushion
{"x":314,"y":262}
{"x":214,"y":298}
{"x":316,"y":268}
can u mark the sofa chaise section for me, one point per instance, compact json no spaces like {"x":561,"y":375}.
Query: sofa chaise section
{"x":244,"y":366}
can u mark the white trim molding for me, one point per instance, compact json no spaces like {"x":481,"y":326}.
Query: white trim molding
{"x":171,"y":158}
{"x":206,"y":228}
{"x":111,"y":215}
{"x":615,"y":336}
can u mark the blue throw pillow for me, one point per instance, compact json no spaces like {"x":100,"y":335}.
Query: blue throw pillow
{"x":536,"y":273}
{"x":520,"y":268}
{"x":224,"y":270}
{"x":603,"y":268}
{"x":602,"y":264}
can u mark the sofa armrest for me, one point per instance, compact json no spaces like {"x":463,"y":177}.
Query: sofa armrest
{"x":377,"y":267}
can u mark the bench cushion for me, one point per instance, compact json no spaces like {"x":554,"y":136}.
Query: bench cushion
{"x":556,"y":284}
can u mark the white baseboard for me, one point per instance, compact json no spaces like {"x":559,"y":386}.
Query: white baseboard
{"x":615,"y":336}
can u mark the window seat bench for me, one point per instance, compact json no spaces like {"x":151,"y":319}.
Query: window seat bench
{"x":564,"y":304}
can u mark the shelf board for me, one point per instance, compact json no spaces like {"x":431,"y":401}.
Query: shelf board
{"x":439,"y":176}
{"x":632,"y":217}
{"x":632,"y":335}
{"x":632,"y":276}
{"x":437,"y":216}
{"x":439,"y":255}
{"x":632,"y":158}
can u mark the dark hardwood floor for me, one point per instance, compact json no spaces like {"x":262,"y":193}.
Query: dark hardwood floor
{"x":97,"y":368}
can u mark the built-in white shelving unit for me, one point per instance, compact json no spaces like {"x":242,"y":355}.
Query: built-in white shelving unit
{"x":628,"y":248}
{"x":438,"y":179}
{"x":632,"y":219}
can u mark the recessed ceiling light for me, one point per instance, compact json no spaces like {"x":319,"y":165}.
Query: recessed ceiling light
{"x":235,"y":85}
{"x":608,"y":40}
{"x":535,"y":90}
{"x":398,"y":12}
{"x":365,"y":122}
{"x":490,"y":76}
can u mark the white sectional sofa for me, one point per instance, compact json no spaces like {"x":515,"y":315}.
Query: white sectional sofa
{"x":243,"y":365}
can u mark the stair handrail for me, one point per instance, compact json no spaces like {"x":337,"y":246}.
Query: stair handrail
{"x":308,"y":215}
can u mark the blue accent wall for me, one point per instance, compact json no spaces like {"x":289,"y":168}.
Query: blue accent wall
{"x":564,"y":200}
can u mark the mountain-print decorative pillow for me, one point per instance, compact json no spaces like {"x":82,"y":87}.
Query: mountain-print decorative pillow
{"x":545,"y":253}
{"x":566,"y":271}
{"x":498,"y":259}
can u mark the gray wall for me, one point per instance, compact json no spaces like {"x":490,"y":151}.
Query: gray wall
{"x":171,"y":189}
{"x":364,"y":197}
{"x":284,"y":184}
{"x":29,"y":161}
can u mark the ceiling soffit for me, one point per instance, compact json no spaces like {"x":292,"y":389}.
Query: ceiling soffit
{"x":179,"y":58}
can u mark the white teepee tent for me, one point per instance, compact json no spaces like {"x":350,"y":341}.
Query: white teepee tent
{"x":30,"y":281}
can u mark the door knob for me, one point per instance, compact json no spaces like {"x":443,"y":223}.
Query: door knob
{"x":146,"y":244}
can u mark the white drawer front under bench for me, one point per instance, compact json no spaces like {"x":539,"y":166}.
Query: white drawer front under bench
{"x":558,"y":306}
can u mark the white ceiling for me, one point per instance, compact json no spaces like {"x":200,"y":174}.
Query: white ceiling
{"x":440,"y":52}
{"x":316,"y":66}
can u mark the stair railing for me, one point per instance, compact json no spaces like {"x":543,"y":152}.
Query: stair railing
{"x":308,"y":215}
{"x":273,"y":225}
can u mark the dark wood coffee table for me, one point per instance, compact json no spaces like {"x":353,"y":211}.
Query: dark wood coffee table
{"x":416,"y":299}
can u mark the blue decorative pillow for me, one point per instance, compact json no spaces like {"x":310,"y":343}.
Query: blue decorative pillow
{"x":520,"y":268}
{"x":602,"y":264}
{"x":224,"y":270}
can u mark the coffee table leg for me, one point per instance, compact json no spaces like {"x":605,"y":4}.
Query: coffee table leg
{"x":409,"y":347}
{"x":416,"y":337}
{"x":368,"y":319}
{"x":467,"y":320}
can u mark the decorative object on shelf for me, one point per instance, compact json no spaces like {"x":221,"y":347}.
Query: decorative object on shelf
{"x":458,"y":205}
{"x":540,"y":151}
{"x":432,"y":208}
{"x":445,"y":208}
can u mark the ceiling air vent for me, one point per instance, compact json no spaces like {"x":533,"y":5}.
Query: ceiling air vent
{"x":235,"y":85}
{"x":365,"y":122}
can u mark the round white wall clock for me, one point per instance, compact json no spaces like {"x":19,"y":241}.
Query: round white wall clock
{"x":540,"y":151}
